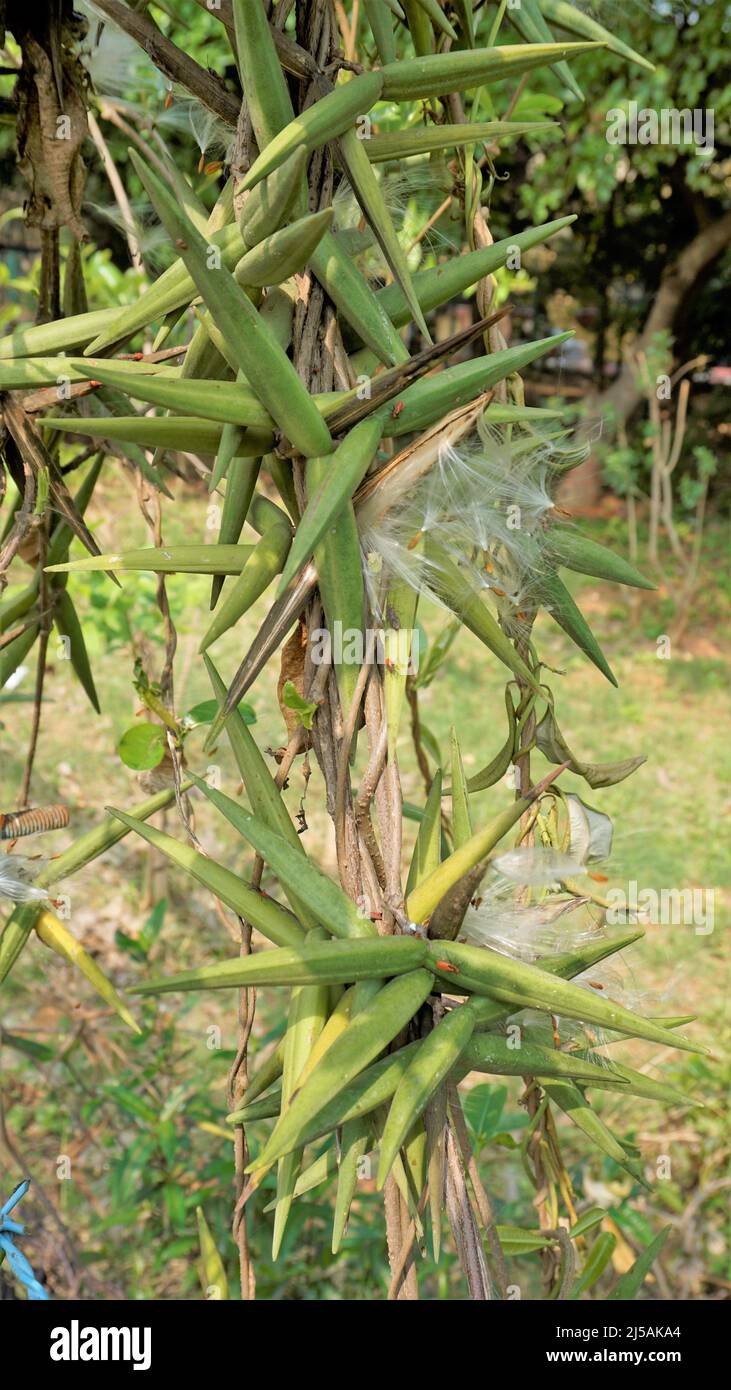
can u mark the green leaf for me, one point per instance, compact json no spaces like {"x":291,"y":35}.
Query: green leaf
{"x":596,"y":1262}
{"x":143,"y":746}
{"x":483,"y":1108}
{"x":206,"y":712}
{"x":293,"y":700}
{"x":630,"y":1283}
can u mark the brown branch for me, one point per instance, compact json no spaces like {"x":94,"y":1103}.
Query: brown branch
{"x":172,"y":61}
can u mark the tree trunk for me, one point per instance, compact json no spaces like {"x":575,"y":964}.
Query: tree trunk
{"x":618,"y":403}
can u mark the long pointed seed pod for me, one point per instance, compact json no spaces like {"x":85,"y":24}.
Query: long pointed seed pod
{"x":262,"y":78}
{"x":258,"y":355}
{"x":439,"y":73}
{"x":315,"y":961}
{"x":346,"y":470}
{"x":271,"y":919}
{"x":427,"y":850}
{"x":355,"y":1139}
{"x":18,"y":927}
{"x":369,"y":1032}
{"x":305,"y":1020}
{"x":332,"y":906}
{"x":323,"y":121}
{"x":438,"y":1052}
{"x":264,"y":563}
{"x":241,"y":478}
{"x":514,"y":982}
{"x":340,"y":577}
{"x":441,"y":283}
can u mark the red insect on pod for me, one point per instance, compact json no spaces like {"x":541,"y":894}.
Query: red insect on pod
{"x":447,"y":965}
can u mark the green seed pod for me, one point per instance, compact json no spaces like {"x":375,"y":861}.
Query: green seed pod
{"x":402,"y":144}
{"x":381,"y":25}
{"x":225,"y":401}
{"x":269,"y":205}
{"x":398,"y":639}
{"x":580,"y":553}
{"x":185,"y":432}
{"x":268,"y":916}
{"x":532,"y":27}
{"x":367,"y":1035}
{"x":62,"y":336}
{"x":443,"y":282}
{"x":576,"y":21}
{"x":284,"y":252}
{"x":461,"y":817}
{"x":262,"y":79}
{"x":323,"y":121}
{"x":427,"y":850}
{"x":459,"y":594}
{"x":514,"y":982}
{"x":370,"y":197}
{"x":340,"y":579}
{"x":433,"y":1060}
{"x":173,"y":559}
{"x":439,"y":73}
{"x":264,"y":562}
{"x":267,"y":368}
{"x":346,"y":469}
{"x":68,"y":626}
{"x":355,"y":301}
{"x":422,"y":404}
{"x":354,"y":1141}
{"x":172,"y":290}
{"x":558,"y":602}
{"x":314,"y":962}
{"x":241,"y":479}
{"x":306,"y":1018}
{"x":333,"y":908}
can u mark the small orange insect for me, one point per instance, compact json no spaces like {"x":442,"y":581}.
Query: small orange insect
{"x":447,"y":965}
{"x":397,"y":410}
